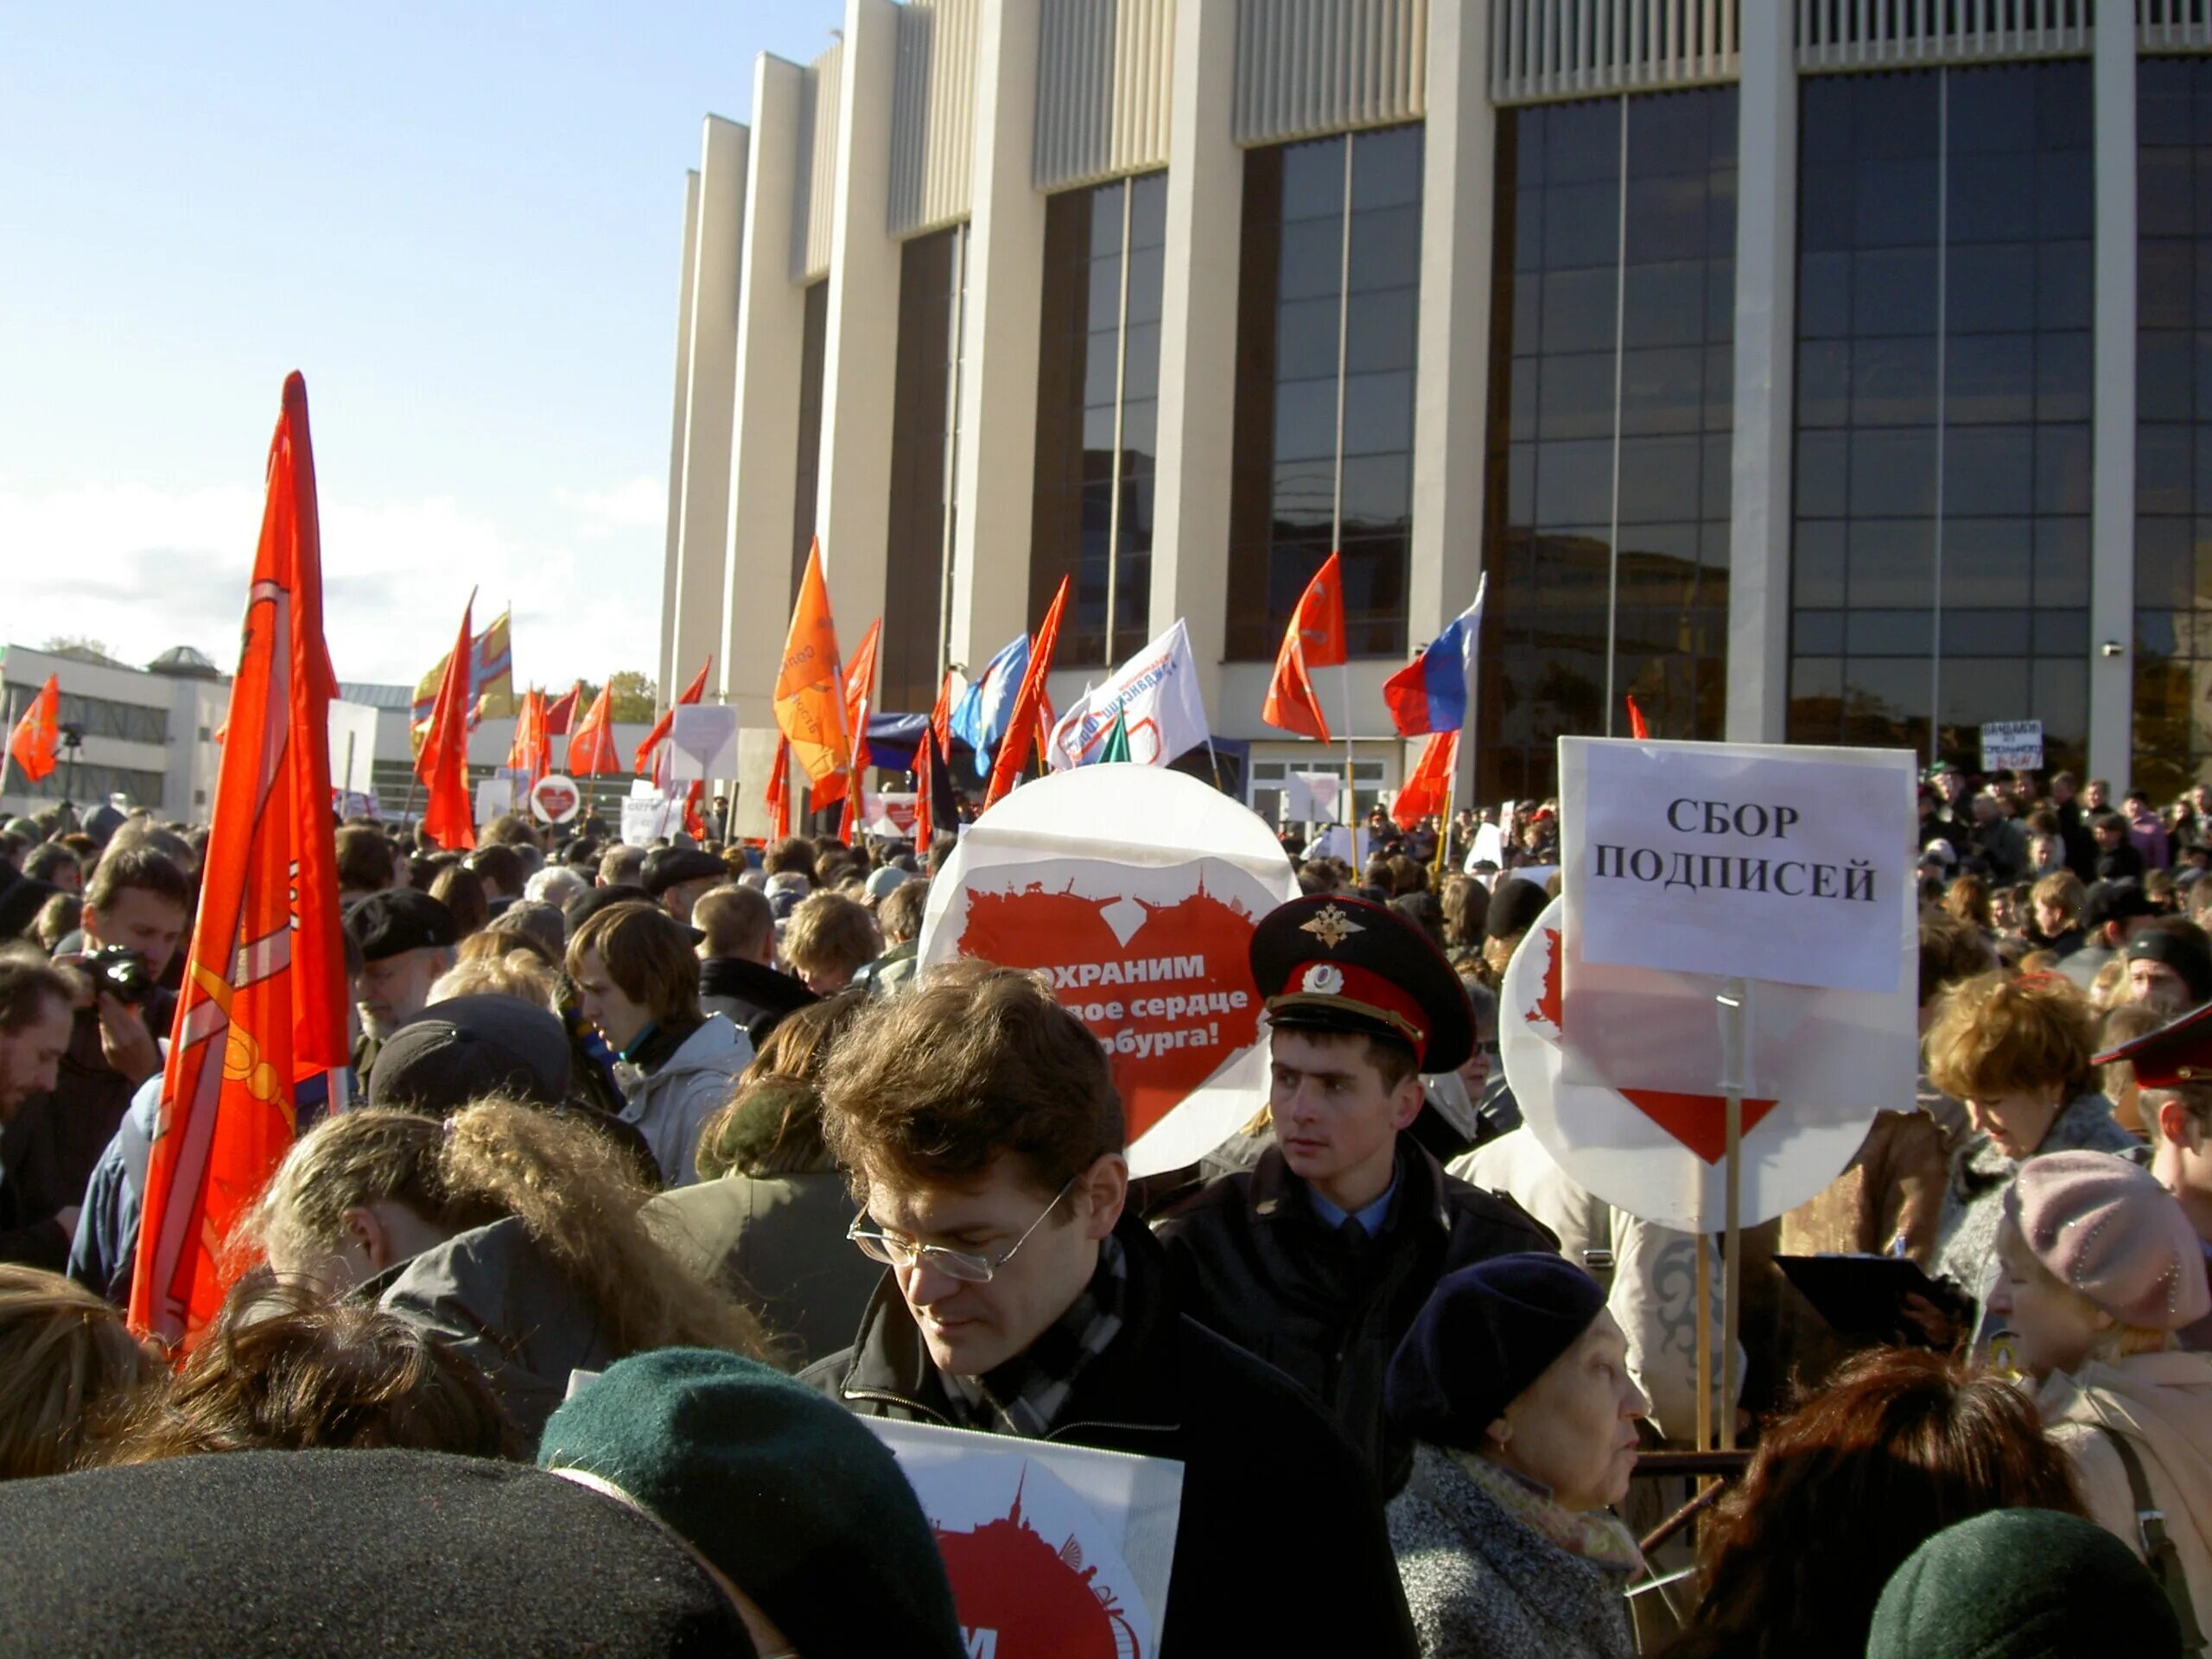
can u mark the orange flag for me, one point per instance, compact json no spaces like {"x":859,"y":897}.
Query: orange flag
{"x":777,"y":796}
{"x":262,"y":1009}
{"x":1636,"y":728}
{"x":449,"y":816}
{"x":529,"y":752}
{"x":1424,"y":792}
{"x":561,"y":715}
{"x":809,"y":697}
{"x":859,"y":692}
{"x":1319,"y":619}
{"x":692,"y":693}
{"x":1029,"y":702}
{"x":591,"y":746}
{"x":32,"y":744}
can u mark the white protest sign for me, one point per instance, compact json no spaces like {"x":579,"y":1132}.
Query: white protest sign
{"x":555,"y":798}
{"x":703,"y":742}
{"x":645,"y":819}
{"x":2012,"y":746}
{"x":1311,"y":796}
{"x":495,"y":798}
{"x":352,"y":748}
{"x":1489,"y":847}
{"x":1137,"y":889}
{"x":1051,"y":1549}
{"x":756,"y":759}
{"x":1659,"y":1154}
{"x":1749,"y":860}
{"x":1340,"y":842}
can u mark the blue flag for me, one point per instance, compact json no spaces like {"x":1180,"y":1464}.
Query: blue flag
{"x":980,"y":719}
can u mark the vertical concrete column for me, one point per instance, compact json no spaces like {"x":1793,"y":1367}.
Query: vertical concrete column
{"x":860,"y":360}
{"x":2112,"y":487}
{"x":998,"y":391}
{"x":763,"y":443}
{"x":711,"y":388}
{"x":1766,"y":331}
{"x":1450,"y":398}
{"x":671,"y":592}
{"x":1198,"y":339}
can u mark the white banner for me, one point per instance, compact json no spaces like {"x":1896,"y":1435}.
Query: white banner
{"x":2012,"y":746}
{"x":1157,"y":691}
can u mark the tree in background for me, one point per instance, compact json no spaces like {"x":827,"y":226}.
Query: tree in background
{"x":635,"y":699}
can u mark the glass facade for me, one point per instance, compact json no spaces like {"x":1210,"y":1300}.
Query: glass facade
{"x":1940,"y":560}
{"x":807,"y":477}
{"x":1098,"y":414}
{"x":924,"y":435}
{"x":1327,"y":309}
{"x":1611,"y":390}
{"x":2173,"y":434}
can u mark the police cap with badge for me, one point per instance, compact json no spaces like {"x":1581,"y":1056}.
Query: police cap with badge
{"x":2176,"y":1056}
{"x":1330,"y":962}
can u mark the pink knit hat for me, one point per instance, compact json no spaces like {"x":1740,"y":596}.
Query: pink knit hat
{"x":2106,"y":1228}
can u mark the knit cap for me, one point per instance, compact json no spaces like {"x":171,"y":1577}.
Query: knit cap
{"x":2106,"y":1229}
{"x":1486,"y":1332}
{"x":785,"y":1491}
{"x":2023,"y":1584}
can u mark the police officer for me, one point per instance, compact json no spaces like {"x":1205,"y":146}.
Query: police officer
{"x":1320,"y":1258}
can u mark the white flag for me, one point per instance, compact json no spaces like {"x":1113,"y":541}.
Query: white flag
{"x":1156,"y":690}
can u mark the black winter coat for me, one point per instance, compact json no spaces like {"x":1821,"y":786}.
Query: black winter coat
{"x":1252,"y":1259}
{"x":1281,"y":1547}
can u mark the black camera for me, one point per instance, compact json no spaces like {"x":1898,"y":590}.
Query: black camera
{"x":121,"y":972}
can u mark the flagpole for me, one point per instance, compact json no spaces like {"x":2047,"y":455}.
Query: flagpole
{"x":1351,"y":803}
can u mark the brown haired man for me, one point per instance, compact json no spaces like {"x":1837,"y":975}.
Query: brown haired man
{"x":138,"y":901}
{"x":983,"y":1137}
{"x":638,"y":981}
{"x":1318,"y":1258}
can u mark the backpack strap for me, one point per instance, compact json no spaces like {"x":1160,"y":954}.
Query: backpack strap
{"x":2158,"y":1549}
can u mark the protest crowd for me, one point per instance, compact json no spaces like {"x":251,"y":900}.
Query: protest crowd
{"x":501,"y":1237}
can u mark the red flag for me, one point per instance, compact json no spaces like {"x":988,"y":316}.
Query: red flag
{"x":929,"y":761}
{"x":264,"y":1004}
{"x":695,"y":821}
{"x":562,"y":714}
{"x":591,"y":747}
{"x":1028,"y":701}
{"x":1292,"y":705}
{"x":1319,"y":618}
{"x":32,"y":744}
{"x":779,"y":794}
{"x":531,"y":753}
{"x":1428,"y":783}
{"x":1636,"y":728}
{"x":692,"y":693}
{"x":448,"y":817}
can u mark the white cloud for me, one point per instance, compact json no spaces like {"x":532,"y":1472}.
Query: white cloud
{"x":143,"y":569}
{"x":641,"y":503}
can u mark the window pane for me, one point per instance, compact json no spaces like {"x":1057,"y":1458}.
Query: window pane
{"x":1662,"y":391}
{"x":1658,"y":479}
{"x":1574,"y":483}
{"x":1386,"y":168}
{"x":1306,"y":419}
{"x":1385,"y":249}
{"x":1893,"y":472}
{"x":1379,"y":413}
{"x":1988,"y":470}
{"x":1380,"y":330}
{"x":1313,"y":180}
{"x":1305,"y":339}
{"x":1989,"y":379}
{"x":1313,"y":258}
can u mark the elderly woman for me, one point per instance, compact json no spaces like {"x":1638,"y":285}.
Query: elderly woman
{"x":2102,"y":1269}
{"x":2016,"y":1053}
{"x":1514,"y":1385}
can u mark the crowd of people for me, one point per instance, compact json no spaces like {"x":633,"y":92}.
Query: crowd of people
{"x":657,"y":1171}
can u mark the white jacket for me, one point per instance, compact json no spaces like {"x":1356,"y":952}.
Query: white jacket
{"x":1652,"y":1287}
{"x":2163,"y":1404}
{"x":672,"y":1105}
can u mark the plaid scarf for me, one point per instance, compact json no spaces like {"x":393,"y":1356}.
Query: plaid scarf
{"x":1599,"y":1536}
{"x":1024,"y":1395}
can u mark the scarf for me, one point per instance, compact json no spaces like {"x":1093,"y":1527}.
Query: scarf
{"x":1026,"y":1395}
{"x":1596,"y":1535}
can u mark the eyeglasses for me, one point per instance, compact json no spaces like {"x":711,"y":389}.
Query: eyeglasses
{"x":965,"y":1265}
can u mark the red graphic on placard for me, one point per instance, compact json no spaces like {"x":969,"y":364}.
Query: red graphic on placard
{"x":1699,"y":1121}
{"x":1172,"y":998}
{"x":1037,"y":1602}
{"x":556,"y":798}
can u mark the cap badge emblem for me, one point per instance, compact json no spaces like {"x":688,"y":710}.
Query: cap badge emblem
{"x":1324,"y":979}
{"x":1331,"y":925}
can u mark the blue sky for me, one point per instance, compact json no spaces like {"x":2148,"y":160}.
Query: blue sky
{"x":462,"y":223}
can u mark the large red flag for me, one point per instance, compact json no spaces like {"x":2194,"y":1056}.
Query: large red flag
{"x":1319,"y":619}
{"x":1028,"y":701}
{"x":810,"y":697}
{"x":32,"y":744}
{"x":692,"y":693}
{"x":449,"y":816}
{"x":591,"y":746}
{"x":561,"y":714}
{"x":1315,"y":638}
{"x":264,"y":1003}
{"x":1426,"y":785}
{"x":531,"y":752}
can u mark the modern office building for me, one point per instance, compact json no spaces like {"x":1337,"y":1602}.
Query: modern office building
{"x":1825,"y":370}
{"x":146,"y":737}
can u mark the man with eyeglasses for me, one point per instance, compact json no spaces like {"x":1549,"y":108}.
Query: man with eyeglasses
{"x":984,"y":1138}
{"x":1318,"y":1258}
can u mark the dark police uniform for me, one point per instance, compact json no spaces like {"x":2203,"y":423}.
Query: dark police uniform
{"x":1324,"y":1300}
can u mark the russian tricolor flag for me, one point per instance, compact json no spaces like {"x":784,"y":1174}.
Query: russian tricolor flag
{"x":1430,"y":694}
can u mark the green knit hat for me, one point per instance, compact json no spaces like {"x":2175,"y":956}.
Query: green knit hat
{"x":781,"y":1488}
{"x":2023,"y":1584}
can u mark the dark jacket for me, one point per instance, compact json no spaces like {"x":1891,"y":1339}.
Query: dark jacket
{"x":1280,"y":1547}
{"x":1253,"y":1259}
{"x":750,"y":996}
{"x":2120,"y":864}
{"x":50,"y":1148}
